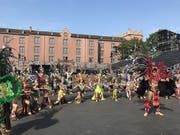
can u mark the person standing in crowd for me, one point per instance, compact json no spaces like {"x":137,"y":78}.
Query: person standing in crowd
{"x":10,"y":88}
{"x":129,"y":86}
{"x":178,"y":88}
{"x":153,"y":94}
{"x":26,"y":99}
{"x":80,"y":86}
{"x":143,"y":87}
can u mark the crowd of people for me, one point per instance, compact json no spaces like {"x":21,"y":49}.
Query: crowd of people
{"x":23,"y":92}
{"x":41,"y":90}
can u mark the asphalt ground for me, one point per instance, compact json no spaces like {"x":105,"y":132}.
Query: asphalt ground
{"x":102,"y":118}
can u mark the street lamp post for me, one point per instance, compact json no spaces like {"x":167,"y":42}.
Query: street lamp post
{"x":111,"y":56}
{"x":19,"y":56}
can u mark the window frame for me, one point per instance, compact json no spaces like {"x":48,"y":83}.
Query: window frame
{"x":36,"y":50}
{"x":36,"y":57}
{"x":65,"y":50}
{"x":37,"y":40}
{"x":6,"y":39}
{"x":21,"y":49}
{"x":21,"y":40}
{"x":78,"y":51}
{"x":51,"y":58}
{"x":51,"y":41}
{"x":65,"y":42}
{"x":51,"y":50}
{"x":91,"y":51}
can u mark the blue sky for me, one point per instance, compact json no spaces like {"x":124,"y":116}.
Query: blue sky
{"x":100,"y":17}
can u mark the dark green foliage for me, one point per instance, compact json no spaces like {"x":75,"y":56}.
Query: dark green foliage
{"x":133,"y":47}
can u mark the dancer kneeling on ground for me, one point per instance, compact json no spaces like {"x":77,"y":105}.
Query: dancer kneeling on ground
{"x":61,"y":95}
{"x":98,"y":93}
{"x":115,"y":90}
{"x":81,"y":88}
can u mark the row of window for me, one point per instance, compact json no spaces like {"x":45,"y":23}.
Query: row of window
{"x":6,"y":39}
{"x":51,"y":59}
{"x":65,"y":50}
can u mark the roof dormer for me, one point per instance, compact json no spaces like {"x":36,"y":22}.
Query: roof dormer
{"x":65,"y":33}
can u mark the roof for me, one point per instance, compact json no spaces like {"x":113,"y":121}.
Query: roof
{"x":48,"y":33}
{"x":26,"y":32}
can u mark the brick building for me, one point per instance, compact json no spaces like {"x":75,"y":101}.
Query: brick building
{"x":44,"y":47}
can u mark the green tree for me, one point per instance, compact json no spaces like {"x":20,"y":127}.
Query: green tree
{"x":133,"y":47}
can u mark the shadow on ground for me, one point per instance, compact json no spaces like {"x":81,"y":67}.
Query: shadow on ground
{"x":43,"y":120}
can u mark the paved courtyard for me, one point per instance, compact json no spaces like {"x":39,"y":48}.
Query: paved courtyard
{"x":102,"y":118}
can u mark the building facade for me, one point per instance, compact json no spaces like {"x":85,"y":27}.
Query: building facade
{"x":130,"y":34}
{"x":43,"y":47}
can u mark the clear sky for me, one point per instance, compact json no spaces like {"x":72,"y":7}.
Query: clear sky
{"x":100,"y":17}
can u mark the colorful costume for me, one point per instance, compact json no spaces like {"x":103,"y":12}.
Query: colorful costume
{"x":155,"y":73}
{"x":178,"y":89}
{"x":61,"y":95}
{"x":115,"y":91}
{"x":80,"y":93}
{"x":143,"y":87}
{"x":98,"y":94}
{"x":156,"y":81}
{"x":129,"y":87}
{"x":10,"y":88}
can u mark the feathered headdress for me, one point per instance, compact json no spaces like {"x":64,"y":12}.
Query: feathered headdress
{"x":147,"y":66}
